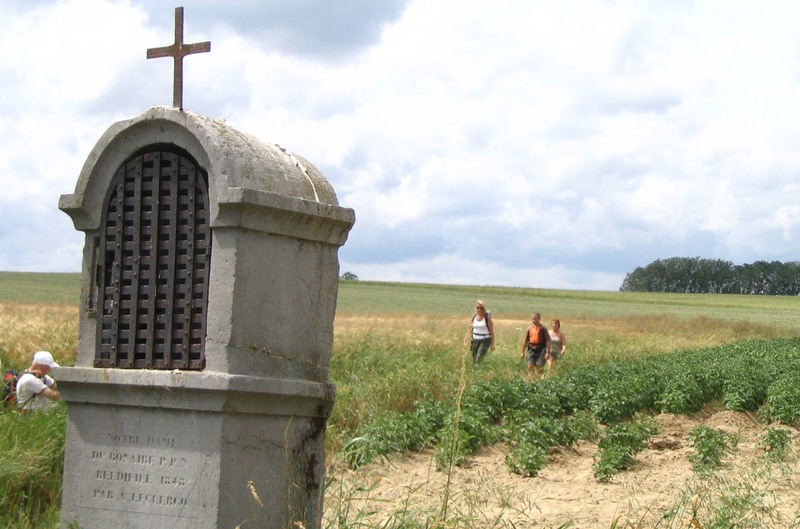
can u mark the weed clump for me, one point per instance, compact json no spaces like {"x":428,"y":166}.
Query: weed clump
{"x":776,"y":443}
{"x":620,"y":443}
{"x":710,"y":446}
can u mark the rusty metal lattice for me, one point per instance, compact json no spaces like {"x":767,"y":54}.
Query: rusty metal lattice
{"x":155,"y":248}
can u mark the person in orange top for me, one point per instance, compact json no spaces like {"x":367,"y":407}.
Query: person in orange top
{"x":535,"y":346}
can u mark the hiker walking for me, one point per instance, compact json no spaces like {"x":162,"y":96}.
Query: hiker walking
{"x":482,"y":330}
{"x":36,"y":390}
{"x":535,"y":346}
{"x":558,"y":344}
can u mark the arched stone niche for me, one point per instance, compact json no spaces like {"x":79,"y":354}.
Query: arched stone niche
{"x":275,"y":228}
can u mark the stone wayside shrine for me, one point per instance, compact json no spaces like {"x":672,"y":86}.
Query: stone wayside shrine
{"x":200,"y":393}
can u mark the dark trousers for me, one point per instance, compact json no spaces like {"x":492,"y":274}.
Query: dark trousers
{"x":479,"y":348}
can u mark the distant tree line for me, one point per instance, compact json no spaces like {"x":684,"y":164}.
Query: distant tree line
{"x":696,"y":275}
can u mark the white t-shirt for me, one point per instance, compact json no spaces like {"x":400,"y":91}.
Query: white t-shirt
{"x":29,"y":392}
{"x":480,"y":330}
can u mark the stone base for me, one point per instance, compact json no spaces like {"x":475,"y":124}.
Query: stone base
{"x":191,"y":450}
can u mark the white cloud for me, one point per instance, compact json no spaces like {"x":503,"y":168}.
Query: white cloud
{"x":554,"y":144}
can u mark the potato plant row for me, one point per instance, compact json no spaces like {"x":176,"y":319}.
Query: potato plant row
{"x":532,"y":417}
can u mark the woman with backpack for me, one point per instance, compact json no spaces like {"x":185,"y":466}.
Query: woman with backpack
{"x":482,"y":330}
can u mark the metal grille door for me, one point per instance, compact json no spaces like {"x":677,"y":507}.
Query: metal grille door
{"x":155,"y":250}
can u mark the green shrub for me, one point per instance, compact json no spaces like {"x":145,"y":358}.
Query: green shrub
{"x":619,"y":444}
{"x":526,"y":459}
{"x":555,"y":397}
{"x":453,"y":448}
{"x":583,"y":425}
{"x":546,"y":432}
{"x":610,"y":461}
{"x":709,"y":374}
{"x":626,"y":388}
{"x":495,"y":397}
{"x":480,"y":429}
{"x":776,"y":443}
{"x":577,"y":387}
{"x":395,"y":432}
{"x":615,"y":401}
{"x":746,"y":387}
{"x":543,"y":432}
{"x":682,"y":395}
{"x":710,"y":446}
{"x":783,"y":400}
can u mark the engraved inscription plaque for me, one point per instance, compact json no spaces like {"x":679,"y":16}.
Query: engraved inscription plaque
{"x":153,"y":466}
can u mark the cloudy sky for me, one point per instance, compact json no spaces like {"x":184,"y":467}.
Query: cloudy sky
{"x":554,"y":144}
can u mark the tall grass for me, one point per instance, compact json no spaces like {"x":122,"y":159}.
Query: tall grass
{"x":31,"y":462}
{"x":37,"y":312}
{"x":29,"y":327}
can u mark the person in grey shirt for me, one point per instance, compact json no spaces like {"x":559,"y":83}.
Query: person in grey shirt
{"x":36,"y":389}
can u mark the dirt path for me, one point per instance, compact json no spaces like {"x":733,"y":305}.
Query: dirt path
{"x":565,"y":494}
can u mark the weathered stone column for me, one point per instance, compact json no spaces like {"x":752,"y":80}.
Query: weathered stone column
{"x":200,"y":393}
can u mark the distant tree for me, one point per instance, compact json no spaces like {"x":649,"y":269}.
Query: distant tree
{"x":793,"y":281}
{"x":634,"y":281}
{"x":349,"y":276}
{"x":696,"y":275}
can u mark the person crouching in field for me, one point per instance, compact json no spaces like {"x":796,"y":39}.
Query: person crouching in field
{"x":535,"y":346}
{"x":558,"y":344}
{"x":482,"y":330}
{"x":36,"y":390}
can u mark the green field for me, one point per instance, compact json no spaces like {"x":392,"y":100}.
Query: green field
{"x":400,"y":346}
{"x":361,"y":297}
{"x":28,"y":287}
{"x":399,"y":298}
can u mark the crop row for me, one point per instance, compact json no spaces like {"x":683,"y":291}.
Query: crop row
{"x":761,"y":376}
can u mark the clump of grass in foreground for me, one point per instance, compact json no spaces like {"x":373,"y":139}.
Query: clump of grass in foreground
{"x":31,"y":462}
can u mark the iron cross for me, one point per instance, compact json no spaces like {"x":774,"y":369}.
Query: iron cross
{"x":178,"y":51}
